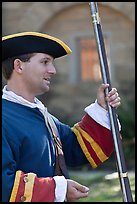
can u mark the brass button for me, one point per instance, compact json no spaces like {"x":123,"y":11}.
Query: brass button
{"x":23,"y":198}
{"x":25,"y":179}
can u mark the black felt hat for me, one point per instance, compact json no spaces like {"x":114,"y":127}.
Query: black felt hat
{"x":32,"y":42}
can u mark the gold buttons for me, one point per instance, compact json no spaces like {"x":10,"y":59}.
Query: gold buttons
{"x":25,"y":179}
{"x":23,"y":198}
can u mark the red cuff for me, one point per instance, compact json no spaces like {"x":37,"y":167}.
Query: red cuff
{"x":95,"y":140}
{"x":29,"y":188}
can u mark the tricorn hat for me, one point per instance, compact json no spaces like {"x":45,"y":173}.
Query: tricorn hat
{"x":32,"y":42}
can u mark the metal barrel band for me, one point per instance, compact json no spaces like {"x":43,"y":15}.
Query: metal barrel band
{"x":96,"y":18}
{"x":123,"y":175}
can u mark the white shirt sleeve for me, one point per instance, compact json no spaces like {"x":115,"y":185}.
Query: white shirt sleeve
{"x":61,"y":188}
{"x":100,"y":115}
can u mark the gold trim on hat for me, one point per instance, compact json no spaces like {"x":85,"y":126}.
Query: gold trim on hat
{"x":66,"y":48}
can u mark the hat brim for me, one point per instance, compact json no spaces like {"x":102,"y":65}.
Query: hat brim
{"x":33,"y":42}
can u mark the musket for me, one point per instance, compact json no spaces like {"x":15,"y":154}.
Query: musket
{"x":120,"y":159}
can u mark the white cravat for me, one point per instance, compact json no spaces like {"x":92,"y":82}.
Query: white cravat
{"x":11,"y":96}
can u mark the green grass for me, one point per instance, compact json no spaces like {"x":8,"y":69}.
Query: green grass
{"x":104,"y":187}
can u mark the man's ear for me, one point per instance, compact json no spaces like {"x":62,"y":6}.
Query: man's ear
{"x":18,"y":65}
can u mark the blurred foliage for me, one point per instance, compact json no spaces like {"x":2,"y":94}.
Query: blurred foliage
{"x":126,"y":113}
{"x":103,"y":189}
{"x":127,"y":118}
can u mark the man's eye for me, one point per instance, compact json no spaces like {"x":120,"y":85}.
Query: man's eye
{"x":45,"y":62}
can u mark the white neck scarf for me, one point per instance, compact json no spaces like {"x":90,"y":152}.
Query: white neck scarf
{"x":11,"y":96}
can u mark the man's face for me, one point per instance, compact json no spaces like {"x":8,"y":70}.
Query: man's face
{"x":38,"y":72}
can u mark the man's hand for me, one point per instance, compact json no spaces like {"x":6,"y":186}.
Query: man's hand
{"x":112,"y":97}
{"x":76,"y":191}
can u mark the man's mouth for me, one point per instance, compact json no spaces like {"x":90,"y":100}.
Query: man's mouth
{"x":47,"y":80}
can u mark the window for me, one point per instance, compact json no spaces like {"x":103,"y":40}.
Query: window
{"x":89,"y":60}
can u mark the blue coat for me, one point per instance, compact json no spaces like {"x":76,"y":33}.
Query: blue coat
{"x":27,"y":144}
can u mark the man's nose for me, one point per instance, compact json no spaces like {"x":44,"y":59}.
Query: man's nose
{"x":52,"y":69}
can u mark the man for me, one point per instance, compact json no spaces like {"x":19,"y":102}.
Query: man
{"x":36,"y":146}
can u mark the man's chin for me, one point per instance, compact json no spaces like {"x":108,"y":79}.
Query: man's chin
{"x":46,"y":89}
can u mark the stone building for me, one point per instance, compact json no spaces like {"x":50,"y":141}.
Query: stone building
{"x":78,"y":75}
